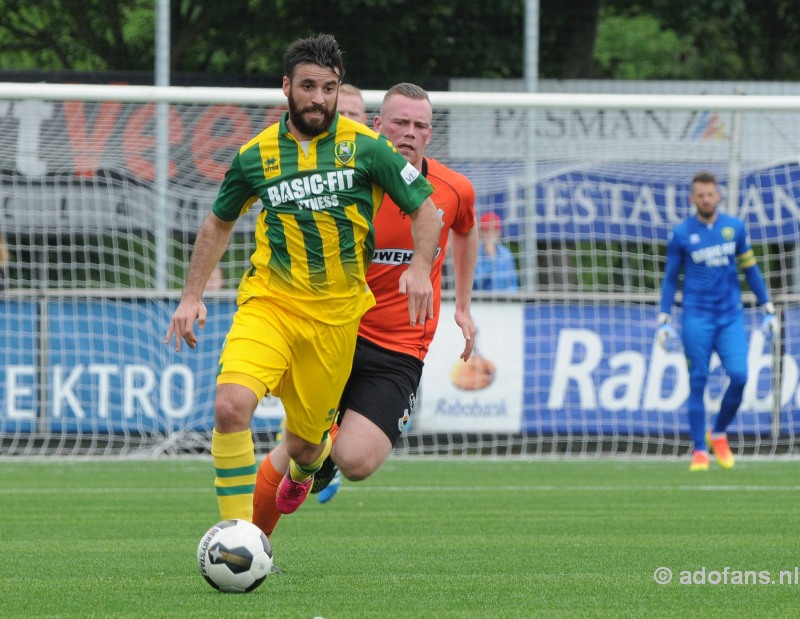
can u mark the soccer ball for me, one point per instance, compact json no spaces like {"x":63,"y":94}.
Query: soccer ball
{"x":234,"y":556}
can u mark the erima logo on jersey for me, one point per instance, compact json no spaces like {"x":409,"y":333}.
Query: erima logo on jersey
{"x":409,"y":173}
{"x":309,"y":192}
{"x":396,"y":257}
{"x":715,"y":255}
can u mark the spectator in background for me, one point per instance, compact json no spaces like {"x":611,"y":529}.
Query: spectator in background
{"x":3,"y":262}
{"x":495,"y":269}
{"x":351,"y":103}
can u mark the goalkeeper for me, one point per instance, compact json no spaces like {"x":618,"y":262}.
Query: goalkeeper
{"x":380,"y":393}
{"x":707,"y":248}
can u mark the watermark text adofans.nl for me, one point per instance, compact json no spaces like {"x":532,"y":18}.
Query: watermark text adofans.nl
{"x":727,"y":576}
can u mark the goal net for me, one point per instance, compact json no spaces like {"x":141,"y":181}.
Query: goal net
{"x":104,"y":188}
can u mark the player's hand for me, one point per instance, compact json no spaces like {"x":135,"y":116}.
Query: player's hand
{"x":182,"y":323}
{"x":666,"y":335}
{"x":769,"y":323}
{"x":416,"y":283}
{"x":468,"y":329}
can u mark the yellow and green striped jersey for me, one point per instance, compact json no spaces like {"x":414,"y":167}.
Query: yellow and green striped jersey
{"x":315,"y":236}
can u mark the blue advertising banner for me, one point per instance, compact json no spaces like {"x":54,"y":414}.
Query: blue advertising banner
{"x":632,"y":201}
{"x":109,"y":371}
{"x":597,"y":369}
{"x":19,"y":396}
{"x":591,"y":368}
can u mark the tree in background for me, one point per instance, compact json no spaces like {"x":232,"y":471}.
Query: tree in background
{"x":85,"y":35}
{"x":727,"y":39}
{"x":390,"y":40}
{"x":384,"y":39}
{"x":567,"y":33}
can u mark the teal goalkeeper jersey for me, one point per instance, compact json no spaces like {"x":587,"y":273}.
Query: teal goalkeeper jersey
{"x":314,"y":235}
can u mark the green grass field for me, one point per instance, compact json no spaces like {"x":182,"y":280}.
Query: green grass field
{"x":547,"y":538}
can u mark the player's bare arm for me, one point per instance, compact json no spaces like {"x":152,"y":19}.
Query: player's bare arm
{"x":416,"y":279}
{"x":465,"y":255}
{"x":211,"y":242}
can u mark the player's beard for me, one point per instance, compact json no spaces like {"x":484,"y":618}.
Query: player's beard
{"x":309,"y":128}
{"x":706,"y":214}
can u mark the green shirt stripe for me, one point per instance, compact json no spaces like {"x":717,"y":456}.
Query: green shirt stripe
{"x":308,"y":234}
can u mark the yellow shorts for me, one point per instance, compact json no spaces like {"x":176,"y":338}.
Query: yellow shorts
{"x":304,"y":362}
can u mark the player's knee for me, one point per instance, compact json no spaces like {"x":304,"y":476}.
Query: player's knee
{"x":356,"y":469}
{"x":356,"y":473}
{"x":698,"y":383}
{"x":228,"y":417}
{"x":302,"y":452}
{"x":233,"y":408}
{"x":737,"y":379}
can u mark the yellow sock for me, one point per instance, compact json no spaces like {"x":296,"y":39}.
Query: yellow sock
{"x":235,"y":464}
{"x":302,"y":473}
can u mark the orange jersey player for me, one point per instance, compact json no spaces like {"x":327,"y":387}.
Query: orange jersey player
{"x":379,"y":397}
{"x":387,"y":323}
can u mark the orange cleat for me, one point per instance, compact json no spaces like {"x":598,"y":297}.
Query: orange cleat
{"x":721,"y":450}
{"x":699,"y":461}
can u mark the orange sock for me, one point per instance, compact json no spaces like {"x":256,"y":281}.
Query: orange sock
{"x":265,"y":514}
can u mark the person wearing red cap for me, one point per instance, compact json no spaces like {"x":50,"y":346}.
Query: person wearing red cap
{"x":495,"y":268}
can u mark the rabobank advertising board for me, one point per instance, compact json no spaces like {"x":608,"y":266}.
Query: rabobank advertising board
{"x":543,"y":367}
{"x":589,"y":368}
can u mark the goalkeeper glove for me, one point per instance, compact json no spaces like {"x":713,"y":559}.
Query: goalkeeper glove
{"x":666,"y":335}
{"x":769,"y":323}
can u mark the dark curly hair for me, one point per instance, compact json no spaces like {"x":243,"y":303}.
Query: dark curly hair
{"x":321,"y":50}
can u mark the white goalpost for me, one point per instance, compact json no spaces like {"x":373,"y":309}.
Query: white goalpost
{"x":97,"y":240}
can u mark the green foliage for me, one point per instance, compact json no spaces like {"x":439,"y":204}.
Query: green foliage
{"x":383,"y":39}
{"x":638,"y":48}
{"x":391,"y":40}
{"x":83,"y":35}
{"x":455,"y":539}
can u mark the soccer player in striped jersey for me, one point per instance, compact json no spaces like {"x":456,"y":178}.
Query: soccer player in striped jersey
{"x":709,"y":248}
{"x":320,"y":179}
{"x":379,"y":398}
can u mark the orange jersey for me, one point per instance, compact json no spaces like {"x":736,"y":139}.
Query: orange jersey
{"x":387,"y":323}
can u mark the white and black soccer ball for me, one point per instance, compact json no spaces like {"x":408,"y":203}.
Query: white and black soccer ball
{"x":234,"y":556}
